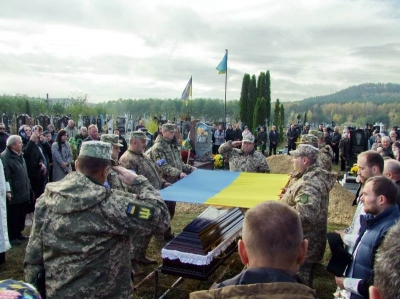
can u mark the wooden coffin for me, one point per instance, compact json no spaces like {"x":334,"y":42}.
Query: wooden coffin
{"x":203,"y":244}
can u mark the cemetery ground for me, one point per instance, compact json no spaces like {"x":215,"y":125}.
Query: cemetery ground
{"x":324,"y":282}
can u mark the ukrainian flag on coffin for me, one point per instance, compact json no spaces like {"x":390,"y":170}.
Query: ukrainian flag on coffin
{"x":225,"y":188}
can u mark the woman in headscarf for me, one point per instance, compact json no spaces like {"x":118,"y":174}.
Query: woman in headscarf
{"x":62,"y":156}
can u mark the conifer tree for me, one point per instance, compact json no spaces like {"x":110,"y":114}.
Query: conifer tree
{"x":244,"y":98}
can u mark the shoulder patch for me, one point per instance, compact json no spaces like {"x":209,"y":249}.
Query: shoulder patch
{"x":303,"y":199}
{"x":140,"y":212}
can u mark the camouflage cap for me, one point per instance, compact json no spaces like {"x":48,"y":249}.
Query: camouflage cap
{"x":96,"y":149}
{"x":139,"y":134}
{"x":316,"y":133}
{"x":113,"y":139}
{"x":306,"y":150}
{"x":308,"y":139}
{"x":248,"y":138}
{"x":169,"y":127}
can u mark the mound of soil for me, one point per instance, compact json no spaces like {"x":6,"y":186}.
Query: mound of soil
{"x":280,"y":164}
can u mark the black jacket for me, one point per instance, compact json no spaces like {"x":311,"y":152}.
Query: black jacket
{"x":273,"y":137}
{"x":17,"y":176}
{"x":3,"y":141}
{"x":33,"y":157}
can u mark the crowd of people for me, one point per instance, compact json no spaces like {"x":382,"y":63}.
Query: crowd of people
{"x":91,"y":227}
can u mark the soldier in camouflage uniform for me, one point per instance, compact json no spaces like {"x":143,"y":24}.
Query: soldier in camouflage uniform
{"x":134,"y":159}
{"x":80,"y":234}
{"x":113,"y":182}
{"x":245,"y":159}
{"x":308,"y":193}
{"x":325,"y":151}
{"x":167,"y":156}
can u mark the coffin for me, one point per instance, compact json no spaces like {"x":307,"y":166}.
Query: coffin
{"x":203,"y":244}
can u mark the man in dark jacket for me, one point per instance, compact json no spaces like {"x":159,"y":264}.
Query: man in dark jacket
{"x":262,"y":140}
{"x":272,"y":248}
{"x":336,"y":136}
{"x":237,"y":133}
{"x":3,"y":137}
{"x":379,"y":199}
{"x":344,"y":148}
{"x":291,"y":135}
{"x":19,"y":195}
{"x":230,"y":134}
{"x":273,"y":140}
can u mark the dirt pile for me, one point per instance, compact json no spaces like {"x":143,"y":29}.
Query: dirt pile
{"x":340,"y":199}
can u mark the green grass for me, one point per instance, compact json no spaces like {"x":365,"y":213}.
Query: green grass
{"x":324,"y":282}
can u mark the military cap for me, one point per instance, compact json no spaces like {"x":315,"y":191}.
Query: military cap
{"x":317,"y":133}
{"x":306,"y":150}
{"x":113,"y":139}
{"x":248,"y":138}
{"x":96,"y":149}
{"x":309,"y":139}
{"x":139,"y":134}
{"x":169,"y":127}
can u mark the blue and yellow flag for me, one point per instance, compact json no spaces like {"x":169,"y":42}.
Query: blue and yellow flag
{"x":226,"y":188}
{"x":223,"y":65}
{"x":187,"y":91}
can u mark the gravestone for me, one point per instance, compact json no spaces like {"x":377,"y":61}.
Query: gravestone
{"x":185,"y":129}
{"x":358,"y":144}
{"x":80,"y":121}
{"x":110,"y":125}
{"x":192,"y":133}
{"x":43,"y":120}
{"x":98,"y":123}
{"x":23,"y":119}
{"x":203,"y":142}
{"x":62,"y":122}
{"x":121,"y":122}
{"x":86,"y":121}
{"x":5,"y":121}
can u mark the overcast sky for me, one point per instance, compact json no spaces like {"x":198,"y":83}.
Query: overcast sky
{"x":149,"y":49}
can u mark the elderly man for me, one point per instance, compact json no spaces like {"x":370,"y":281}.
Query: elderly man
{"x":272,"y":248}
{"x":18,"y":195}
{"x":273,"y":140}
{"x":245,"y":159}
{"x":308,"y":193}
{"x":80,"y":237}
{"x":166,"y":154}
{"x":93,"y":132}
{"x":387,"y":147}
{"x":292,"y":136}
{"x":71,"y":130}
{"x":134,"y":159}
{"x":392,"y":171}
{"x":379,"y":197}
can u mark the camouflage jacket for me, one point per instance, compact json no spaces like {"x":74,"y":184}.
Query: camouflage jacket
{"x":238,"y":161}
{"x":166,"y":154}
{"x":142,"y":164}
{"x":114,"y":181}
{"x":325,"y":156}
{"x":80,"y":236}
{"x":308,"y":193}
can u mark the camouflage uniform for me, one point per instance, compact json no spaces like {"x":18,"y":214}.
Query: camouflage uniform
{"x":141,"y":164}
{"x":171,"y":169}
{"x":308,"y":193}
{"x":325,"y":153}
{"x":80,"y":235}
{"x":238,"y":161}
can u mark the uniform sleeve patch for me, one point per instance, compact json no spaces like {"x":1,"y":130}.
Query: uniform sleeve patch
{"x":303,"y":199}
{"x":161,"y":162}
{"x":139,"y":212}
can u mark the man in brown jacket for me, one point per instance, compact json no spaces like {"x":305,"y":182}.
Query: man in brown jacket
{"x":272,"y":248}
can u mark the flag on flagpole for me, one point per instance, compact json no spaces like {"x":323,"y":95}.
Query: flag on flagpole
{"x":187,"y":92}
{"x":223,"y":65}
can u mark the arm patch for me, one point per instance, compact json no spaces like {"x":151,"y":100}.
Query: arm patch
{"x":140,"y":212}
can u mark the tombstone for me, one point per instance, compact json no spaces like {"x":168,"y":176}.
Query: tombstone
{"x":99,"y":127}
{"x":203,"y":142}
{"x":23,"y":119}
{"x":86,"y":121}
{"x":6,"y":122}
{"x":110,"y":125}
{"x":129,"y":125}
{"x":358,"y":144}
{"x":121,"y":122}
{"x":80,"y":121}
{"x":62,"y":122}
{"x":43,"y":120}
{"x":149,"y":140}
{"x":192,"y":133}
{"x":185,"y":129}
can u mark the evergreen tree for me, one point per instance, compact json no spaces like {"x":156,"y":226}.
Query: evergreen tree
{"x":27,"y":108}
{"x":277,"y":114}
{"x":244,"y":98}
{"x":305,"y":118}
{"x":282,"y":122}
{"x":259,"y":113}
{"x":252,"y":102}
{"x":261,"y":86}
{"x":268,"y":94}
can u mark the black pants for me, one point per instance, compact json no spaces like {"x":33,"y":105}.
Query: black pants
{"x":171,"y":209}
{"x":272,"y":147}
{"x":342,"y":163}
{"x":336,"y":156}
{"x":16,"y":219}
{"x":291,"y":146}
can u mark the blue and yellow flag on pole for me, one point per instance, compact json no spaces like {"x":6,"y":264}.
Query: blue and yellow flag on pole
{"x":223,"y":65}
{"x":187,"y":91}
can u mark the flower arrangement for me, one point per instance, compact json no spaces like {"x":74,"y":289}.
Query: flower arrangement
{"x":218,"y":161}
{"x":186,"y":144}
{"x":354,"y":169}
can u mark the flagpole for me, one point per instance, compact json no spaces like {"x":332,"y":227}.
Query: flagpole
{"x":191,"y":95}
{"x":226,"y":82}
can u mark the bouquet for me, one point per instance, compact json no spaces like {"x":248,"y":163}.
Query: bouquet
{"x":354,"y":169}
{"x":218,"y":162}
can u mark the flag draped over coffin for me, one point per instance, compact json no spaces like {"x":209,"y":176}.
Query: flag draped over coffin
{"x":225,"y":188}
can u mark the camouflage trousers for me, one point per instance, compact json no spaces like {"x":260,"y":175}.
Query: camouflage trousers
{"x":139,"y":246}
{"x":306,"y":273}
